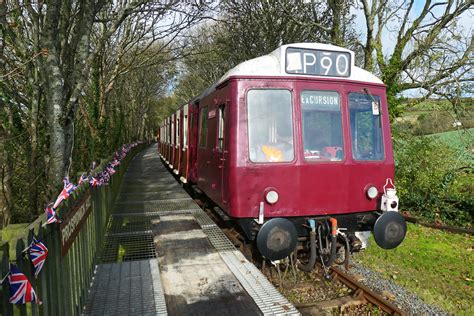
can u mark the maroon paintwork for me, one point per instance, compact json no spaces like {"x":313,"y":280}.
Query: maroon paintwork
{"x":305,"y":188}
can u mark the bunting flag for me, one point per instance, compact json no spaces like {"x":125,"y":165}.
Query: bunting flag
{"x":67,"y":190}
{"x":82,"y":179}
{"x":93,"y":181}
{"x":38,"y":253}
{"x":51,"y":215}
{"x":99,"y":179}
{"x":110,"y":170}
{"x":115,"y":163}
{"x":21,"y":291}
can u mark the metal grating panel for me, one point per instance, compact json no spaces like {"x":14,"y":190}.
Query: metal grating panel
{"x":128,"y":288}
{"x":265,"y":295}
{"x":128,"y":247}
{"x":267,"y":298}
{"x":218,"y":239}
{"x":154,"y":214}
{"x":204,"y":220}
{"x":158,"y":294}
{"x":161,"y":206}
{"x":126,"y":224}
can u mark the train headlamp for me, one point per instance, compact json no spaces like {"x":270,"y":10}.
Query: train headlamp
{"x":271,"y":197}
{"x":372,"y":192}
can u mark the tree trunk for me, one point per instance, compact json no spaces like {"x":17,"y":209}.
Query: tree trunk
{"x":5,"y":134}
{"x":33,"y":173}
{"x":7,"y":171}
{"x":337,"y":8}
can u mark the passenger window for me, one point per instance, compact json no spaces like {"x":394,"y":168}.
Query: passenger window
{"x":270,"y":125}
{"x":322,"y":126}
{"x":220,"y":134}
{"x":185,"y":131}
{"x":178,"y":128}
{"x":203,"y":128}
{"x":173,"y":131}
{"x":366,"y":127}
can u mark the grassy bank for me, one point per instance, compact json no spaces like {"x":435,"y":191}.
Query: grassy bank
{"x":437,"y":265}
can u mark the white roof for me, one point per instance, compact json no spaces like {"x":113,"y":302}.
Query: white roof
{"x":273,"y":65}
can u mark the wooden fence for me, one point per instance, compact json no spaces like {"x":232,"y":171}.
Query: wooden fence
{"x":73,"y":246}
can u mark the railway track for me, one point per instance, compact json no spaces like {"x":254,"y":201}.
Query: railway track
{"x":452,"y":229}
{"x":364,"y":293}
{"x":361,"y":294}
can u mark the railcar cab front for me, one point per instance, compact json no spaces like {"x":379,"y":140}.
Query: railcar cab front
{"x":306,"y":146}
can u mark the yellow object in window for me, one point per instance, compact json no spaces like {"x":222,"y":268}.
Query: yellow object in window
{"x":272,"y":154}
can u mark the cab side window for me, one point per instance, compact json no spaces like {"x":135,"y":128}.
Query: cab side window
{"x":366,"y":127}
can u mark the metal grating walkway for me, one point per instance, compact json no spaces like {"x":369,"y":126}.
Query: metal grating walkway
{"x":164,"y":255}
{"x":127,"y":281}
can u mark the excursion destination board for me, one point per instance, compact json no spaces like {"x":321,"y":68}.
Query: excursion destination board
{"x":318,"y":62}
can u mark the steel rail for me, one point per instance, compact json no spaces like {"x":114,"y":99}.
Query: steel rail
{"x":452,"y":229}
{"x":365,"y":293}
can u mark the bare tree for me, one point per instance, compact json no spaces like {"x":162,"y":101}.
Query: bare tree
{"x":430,"y":50}
{"x":70,"y":35}
{"x":58,"y":54}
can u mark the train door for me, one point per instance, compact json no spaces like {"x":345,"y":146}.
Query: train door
{"x":203,"y":153}
{"x":325,"y":148}
{"x":222,"y":151}
{"x":167,"y":142}
{"x":191,"y":176}
{"x":177,"y":150}
{"x":183,"y":166}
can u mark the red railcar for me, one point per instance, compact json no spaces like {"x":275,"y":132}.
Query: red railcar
{"x":292,"y":144}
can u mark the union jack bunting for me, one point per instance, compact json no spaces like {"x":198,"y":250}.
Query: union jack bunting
{"x":38,"y":253}
{"x":93,"y":181}
{"x":67,"y":190}
{"x":51,"y":215}
{"x":115,"y":163}
{"x":110,"y":170}
{"x":82,"y":179}
{"x":21,"y":291}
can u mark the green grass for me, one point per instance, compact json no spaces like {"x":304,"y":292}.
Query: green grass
{"x":437,"y":265}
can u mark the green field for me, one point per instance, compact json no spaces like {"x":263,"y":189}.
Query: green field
{"x":435,"y":116}
{"x":462,"y":141}
{"x":436,"y":265}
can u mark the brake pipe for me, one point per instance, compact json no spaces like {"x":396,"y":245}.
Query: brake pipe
{"x":312,"y":240}
{"x":332,"y":255}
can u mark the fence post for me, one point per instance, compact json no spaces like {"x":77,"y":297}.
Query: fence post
{"x":21,"y":264}
{"x":7,"y":308}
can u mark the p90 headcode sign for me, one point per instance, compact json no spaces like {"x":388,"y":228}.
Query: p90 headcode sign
{"x":318,"y":62}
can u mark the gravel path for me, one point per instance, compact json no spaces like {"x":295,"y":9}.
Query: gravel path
{"x":404,"y":299}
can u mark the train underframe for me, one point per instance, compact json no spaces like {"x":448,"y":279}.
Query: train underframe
{"x":325,"y":239}
{"x":328,"y":239}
